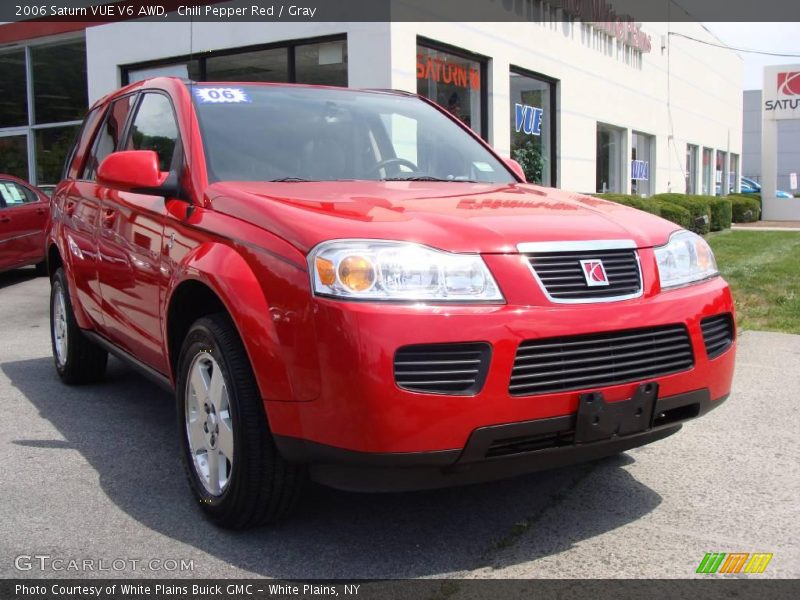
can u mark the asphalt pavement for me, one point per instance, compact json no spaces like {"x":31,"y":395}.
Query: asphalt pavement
{"x":92,"y":474}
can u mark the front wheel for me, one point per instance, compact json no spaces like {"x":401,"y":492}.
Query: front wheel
{"x":234,"y":469}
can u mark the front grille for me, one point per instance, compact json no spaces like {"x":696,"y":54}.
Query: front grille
{"x":717,"y":334}
{"x":562,"y":275}
{"x":442,"y":368}
{"x":597,"y":360}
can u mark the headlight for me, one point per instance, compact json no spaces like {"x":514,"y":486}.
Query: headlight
{"x":686,"y":258}
{"x":382,"y":270}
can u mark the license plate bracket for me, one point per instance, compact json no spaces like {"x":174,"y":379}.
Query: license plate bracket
{"x":600,"y":420}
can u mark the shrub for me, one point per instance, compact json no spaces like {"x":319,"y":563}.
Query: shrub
{"x":745,"y":208}
{"x":675,"y":213}
{"x":698,"y":207}
{"x":721,"y":213}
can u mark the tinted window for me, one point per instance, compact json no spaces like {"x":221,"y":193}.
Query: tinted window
{"x":320,"y":64}
{"x":263,"y":133}
{"x":14,"y":194}
{"x":60,"y":91}
{"x":260,"y":65}
{"x":13,"y":94}
{"x":52,"y":148}
{"x":155,"y":128}
{"x":14,"y":155}
{"x":108,"y":137}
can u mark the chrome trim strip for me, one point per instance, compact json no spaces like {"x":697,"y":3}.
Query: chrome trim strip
{"x":576,"y":246}
{"x":639,"y":294}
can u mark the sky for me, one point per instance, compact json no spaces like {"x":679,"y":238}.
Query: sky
{"x":769,"y":37}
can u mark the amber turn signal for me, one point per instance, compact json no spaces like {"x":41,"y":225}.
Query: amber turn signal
{"x":325,"y":271}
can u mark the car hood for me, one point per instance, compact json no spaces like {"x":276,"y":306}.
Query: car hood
{"x":454,"y":216}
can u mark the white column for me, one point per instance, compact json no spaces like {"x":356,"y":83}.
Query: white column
{"x":771,"y":207}
{"x":369,"y":56}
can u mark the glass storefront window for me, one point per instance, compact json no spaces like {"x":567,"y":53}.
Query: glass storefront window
{"x":14,"y":155}
{"x":321,"y":64}
{"x":37,"y":129}
{"x":59,"y":82}
{"x":719,"y":173}
{"x":52,"y":146}
{"x":609,"y":159}
{"x":733,"y":175}
{"x":532,"y":126}
{"x":708,"y":170}
{"x":260,"y":65}
{"x":454,"y":82}
{"x":691,"y":168}
{"x":641,"y":163}
{"x":13,"y":94}
{"x":318,"y":63}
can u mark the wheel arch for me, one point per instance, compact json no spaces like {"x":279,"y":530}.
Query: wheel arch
{"x":215,"y":278}
{"x":54,"y":260}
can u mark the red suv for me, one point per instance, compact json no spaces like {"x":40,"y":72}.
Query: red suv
{"x":351,"y":285}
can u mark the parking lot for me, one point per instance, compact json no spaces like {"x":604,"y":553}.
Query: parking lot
{"x":93,"y":473}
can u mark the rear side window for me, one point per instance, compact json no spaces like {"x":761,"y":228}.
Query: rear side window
{"x":71,"y":165}
{"x":109,"y":135}
{"x":155,"y":128}
{"x":13,"y":194}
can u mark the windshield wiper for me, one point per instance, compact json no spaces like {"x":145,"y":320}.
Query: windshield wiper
{"x":428,"y":178}
{"x":290,"y":179}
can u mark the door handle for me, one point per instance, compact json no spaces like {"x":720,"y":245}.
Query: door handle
{"x":40,"y":211}
{"x":5,"y":219}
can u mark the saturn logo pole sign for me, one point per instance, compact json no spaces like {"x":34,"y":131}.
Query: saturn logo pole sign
{"x":789,"y":83}
{"x":780,"y":102}
{"x":782,"y":93}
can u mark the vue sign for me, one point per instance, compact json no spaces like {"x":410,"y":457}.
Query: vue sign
{"x":528,"y":119}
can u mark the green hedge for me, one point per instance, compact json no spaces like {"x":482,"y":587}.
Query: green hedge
{"x":644,"y":204}
{"x":721,"y":213}
{"x":699,"y":208}
{"x":700,"y":214}
{"x":677,"y":214}
{"x":746,"y":208}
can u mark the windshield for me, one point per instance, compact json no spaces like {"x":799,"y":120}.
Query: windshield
{"x":267,"y":133}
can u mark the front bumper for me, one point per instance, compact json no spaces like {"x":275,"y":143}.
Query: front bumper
{"x":360,"y":409}
{"x":526,"y":447}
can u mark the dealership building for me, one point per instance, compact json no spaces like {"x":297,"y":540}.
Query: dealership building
{"x":588,"y":107}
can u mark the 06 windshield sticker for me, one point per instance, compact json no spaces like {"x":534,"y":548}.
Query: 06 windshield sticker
{"x":218,"y":95}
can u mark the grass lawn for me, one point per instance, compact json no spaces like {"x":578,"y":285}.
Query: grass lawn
{"x":763,"y":269}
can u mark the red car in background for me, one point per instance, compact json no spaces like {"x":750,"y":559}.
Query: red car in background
{"x":24,"y":214}
{"x":352,"y":285}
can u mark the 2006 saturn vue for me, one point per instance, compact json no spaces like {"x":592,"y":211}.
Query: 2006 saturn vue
{"x":351,"y":285}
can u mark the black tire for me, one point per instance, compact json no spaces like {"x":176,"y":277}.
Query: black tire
{"x":83,"y":361}
{"x":41,"y":268}
{"x":261,"y":487}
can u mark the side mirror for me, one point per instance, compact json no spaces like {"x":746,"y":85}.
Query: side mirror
{"x":134,"y":171}
{"x":517,"y":168}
